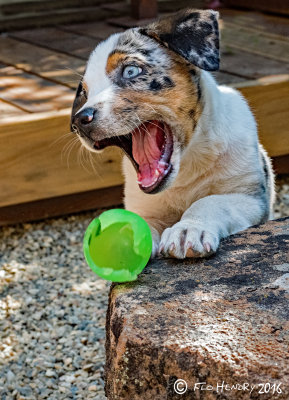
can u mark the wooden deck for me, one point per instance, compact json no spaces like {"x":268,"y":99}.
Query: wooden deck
{"x":40,"y":68}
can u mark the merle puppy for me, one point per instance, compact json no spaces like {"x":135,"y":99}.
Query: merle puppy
{"x":194,"y":168}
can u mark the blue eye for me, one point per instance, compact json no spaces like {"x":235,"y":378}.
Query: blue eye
{"x":131,"y":71}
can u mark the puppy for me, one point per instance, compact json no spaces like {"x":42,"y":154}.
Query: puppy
{"x":194,"y":170}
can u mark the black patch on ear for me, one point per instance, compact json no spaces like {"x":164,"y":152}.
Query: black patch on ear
{"x":192,"y":34}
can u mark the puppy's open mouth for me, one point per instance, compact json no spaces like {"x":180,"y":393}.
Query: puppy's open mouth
{"x":150,"y":147}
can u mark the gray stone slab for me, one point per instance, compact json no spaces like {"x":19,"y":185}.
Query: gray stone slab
{"x":223,"y":321}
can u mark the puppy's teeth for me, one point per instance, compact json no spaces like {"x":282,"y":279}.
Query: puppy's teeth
{"x":157,"y":173}
{"x":145,"y":186}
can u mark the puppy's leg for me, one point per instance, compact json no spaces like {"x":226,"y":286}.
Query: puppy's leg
{"x":156,"y":237}
{"x":208,"y":220}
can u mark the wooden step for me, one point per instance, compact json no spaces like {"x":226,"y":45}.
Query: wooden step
{"x":58,"y":165}
{"x":38,"y":138}
{"x":62,"y":205}
{"x":277,"y":6}
{"x":8,"y":110}
{"x":98,"y":30}
{"x":52,"y":17}
{"x":73,"y":44}
{"x":8,"y":7}
{"x":252,"y":41}
{"x":226,"y":78}
{"x":266,"y":23}
{"x":59,"y":68}
{"x":31,"y":93}
{"x":164,"y":6}
{"x":249,"y":65}
{"x":269,"y":100}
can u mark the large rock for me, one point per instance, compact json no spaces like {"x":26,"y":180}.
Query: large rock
{"x":223,"y":321}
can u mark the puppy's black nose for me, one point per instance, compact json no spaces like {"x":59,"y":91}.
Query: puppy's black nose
{"x":84,"y":117}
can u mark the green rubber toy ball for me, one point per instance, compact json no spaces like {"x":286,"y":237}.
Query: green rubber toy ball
{"x":117,"y":245}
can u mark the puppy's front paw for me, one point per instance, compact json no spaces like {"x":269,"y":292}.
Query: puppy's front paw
{"x":185,"y":239}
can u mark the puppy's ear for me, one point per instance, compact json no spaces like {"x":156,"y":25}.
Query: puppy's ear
{"x":193,"y":34}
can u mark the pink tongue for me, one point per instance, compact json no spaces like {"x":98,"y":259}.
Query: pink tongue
{"x":147,"y":142}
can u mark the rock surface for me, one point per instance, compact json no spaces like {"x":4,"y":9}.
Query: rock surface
{"x":222,"y":322}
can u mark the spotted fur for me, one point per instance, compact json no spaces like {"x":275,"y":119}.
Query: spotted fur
{"x":221,"y":181}
{"x":193,"y":34}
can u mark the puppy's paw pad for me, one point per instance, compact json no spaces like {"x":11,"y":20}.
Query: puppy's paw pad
{"x":186,"y":240}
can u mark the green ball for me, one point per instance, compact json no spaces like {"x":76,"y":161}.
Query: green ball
{"x":117,"y":245}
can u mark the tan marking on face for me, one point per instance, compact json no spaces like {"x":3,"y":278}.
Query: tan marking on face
{"x":113,"y":61}
{"x":184,"y":98}
{"x":179,"y":103}
{"x":180,"y":99}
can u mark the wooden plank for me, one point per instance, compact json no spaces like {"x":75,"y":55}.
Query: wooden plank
{"x":127,"y":22}
{"x":90,"y":200}
{"x":31,"y":93}
{"x":224,"y":78}
{"x":255,"y":20}
{"x":53,"y":17}
{"x":144,"y":9}
{"x":56,"y":67}
{"x":281,"y":164}
{"x":9,"y":111}
{"x":276,"y":6}
{"x":269,"y":100}
{"x":254,"y":30}
{"x":62,"y":205}
{"x":15,"y":7}
{"x":168,"y":6}
{"x":8,"y":2}
{"x":258,"y":43}
{"x":102,"y":30}
{"x":31,"y":161}
{"x":249,"y":65}
{"x":97,"y":30}
{"x":64,"y":42}
{"x":164,"y":6}
{"x":46,"y":176}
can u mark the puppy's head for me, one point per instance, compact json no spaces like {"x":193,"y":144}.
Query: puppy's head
{"x":141,"y":92}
